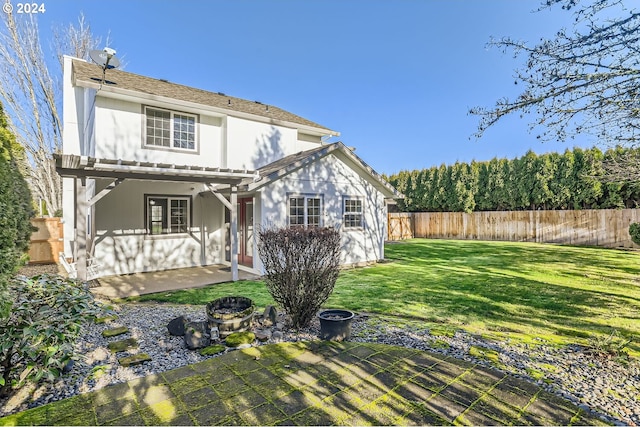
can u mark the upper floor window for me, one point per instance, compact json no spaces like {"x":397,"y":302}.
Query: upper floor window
{"x":305,"y":211}
{"x":352,"y":212}
{"x":170,"y":129}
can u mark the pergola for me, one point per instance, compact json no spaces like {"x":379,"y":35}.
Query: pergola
{"x":82,"y":168}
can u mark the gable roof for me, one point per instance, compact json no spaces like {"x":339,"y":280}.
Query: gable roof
{"x":289,"y":164}
{"x":90,"y":75}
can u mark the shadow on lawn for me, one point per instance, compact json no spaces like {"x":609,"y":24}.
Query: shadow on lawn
{"x":566,"y":291}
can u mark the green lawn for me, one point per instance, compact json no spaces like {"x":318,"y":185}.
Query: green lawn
{"x":523,"y":291}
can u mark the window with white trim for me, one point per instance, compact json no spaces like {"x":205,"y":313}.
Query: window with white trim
{"x":167,"y":215}
{"x":352,"y":212}
{"x":305,"y":211}
{"x":168,"y":129}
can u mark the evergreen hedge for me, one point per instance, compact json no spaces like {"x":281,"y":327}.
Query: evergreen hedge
{"x":15,"y":210}
{"x":571,"y":180}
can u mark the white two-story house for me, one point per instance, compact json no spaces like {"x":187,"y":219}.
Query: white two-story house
{"x":158,"y":175}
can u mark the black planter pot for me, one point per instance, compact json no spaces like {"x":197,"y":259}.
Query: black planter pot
{"x":335,"y":325}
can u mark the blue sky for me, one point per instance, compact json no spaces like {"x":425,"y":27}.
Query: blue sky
{"x":396,"y":78}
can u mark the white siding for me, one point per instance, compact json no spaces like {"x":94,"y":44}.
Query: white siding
{"x":253,"y":144}
{"x":120,"y":129}
{"x":333,"y":179}
{"x":122,"y":246}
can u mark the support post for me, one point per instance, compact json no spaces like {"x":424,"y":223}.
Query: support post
{"x":81,"y":228}
{"x":234,"y":233}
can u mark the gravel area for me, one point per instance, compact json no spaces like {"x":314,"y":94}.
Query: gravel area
{"x":34,"y":269}
{"x":602,"y":385}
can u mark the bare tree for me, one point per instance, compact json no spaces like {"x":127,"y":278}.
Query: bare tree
{"x":584,"y":81}
{"x":31,"y":92}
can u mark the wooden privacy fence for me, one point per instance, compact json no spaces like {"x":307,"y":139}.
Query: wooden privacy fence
{"x":597,"y":227}
{"x":47,"y":241}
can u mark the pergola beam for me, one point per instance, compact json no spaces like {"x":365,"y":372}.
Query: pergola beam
{"x":105,"y":191}
{"x":220,"y":197}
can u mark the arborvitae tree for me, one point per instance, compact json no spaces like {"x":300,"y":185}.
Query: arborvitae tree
{"x":483,"y":193}
{"x":504,"y":195}
{"x":441,"y":190}
{"x":541,"y":195}
{"x":587,"y":189}
{"x":525,"y":180}
{"x":399,"y":181}
{"x":15,"y":209}
{"x":432,"y":203}
{"x":474,"y":171}
{"x":425,"y":180}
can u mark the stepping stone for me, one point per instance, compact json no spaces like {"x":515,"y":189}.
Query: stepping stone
{"x":134,"y":360}
{"x":122,"y":345}
{"x":106,"y":319}
{"x":115,"y":331}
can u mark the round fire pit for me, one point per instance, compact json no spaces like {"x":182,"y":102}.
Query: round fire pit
{"x":335,"y":325}
{"x":230,"y":314}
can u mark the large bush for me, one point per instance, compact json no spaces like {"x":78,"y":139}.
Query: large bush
{"x":37,"y":338}
{"x":15,"y":209}
{"x":301,"y":266}
{"x":634,"y":232}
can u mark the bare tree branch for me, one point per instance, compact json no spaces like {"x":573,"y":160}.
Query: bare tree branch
{"x":31,"y":93}
{"x":582,"y":82}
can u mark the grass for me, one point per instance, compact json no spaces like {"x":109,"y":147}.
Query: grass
{"x":521,"y":291}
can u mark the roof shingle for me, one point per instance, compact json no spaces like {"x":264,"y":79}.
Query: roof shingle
{"x":87,"y":73}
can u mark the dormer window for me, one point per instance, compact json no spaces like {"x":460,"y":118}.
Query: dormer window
{"x":170,"y":129}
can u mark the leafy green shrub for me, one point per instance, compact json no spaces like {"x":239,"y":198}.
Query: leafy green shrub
{"x":301,"y":268}
{"x":634,"y":232}
{"x":15,"y":210}
{"x":37,"y":338}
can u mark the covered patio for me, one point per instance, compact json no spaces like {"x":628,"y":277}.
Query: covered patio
{"x":128,"y":285}
{"x":82,"y":169}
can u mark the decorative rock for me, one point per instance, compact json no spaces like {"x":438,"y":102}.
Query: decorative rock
{"x":122,"y":345}
{"x":115,"y":332}
{"x":263,"y":336}
{"x":134,"y":360}
{"x":196,"y":335}
{"x":177,"y":325}
{"x":279,"y":326}
{"x":270,"y":316}
{"x":277,"y":336}
{"x":68,"y":367}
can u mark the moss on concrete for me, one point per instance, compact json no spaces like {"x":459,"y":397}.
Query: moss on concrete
{"x":122,"y":345}
{"x":212,"y":349}
{"x":236,"y":339}
{"x":134,"y":360}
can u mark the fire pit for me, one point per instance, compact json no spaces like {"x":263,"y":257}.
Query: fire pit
{"x":335,"y":325}
{"x":230,"y":314}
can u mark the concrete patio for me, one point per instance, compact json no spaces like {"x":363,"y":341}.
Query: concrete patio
{"x":317,"y":383}
{"x":128,"y":285}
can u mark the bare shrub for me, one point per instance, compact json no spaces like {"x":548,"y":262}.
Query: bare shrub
{"x":301,"y":267}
